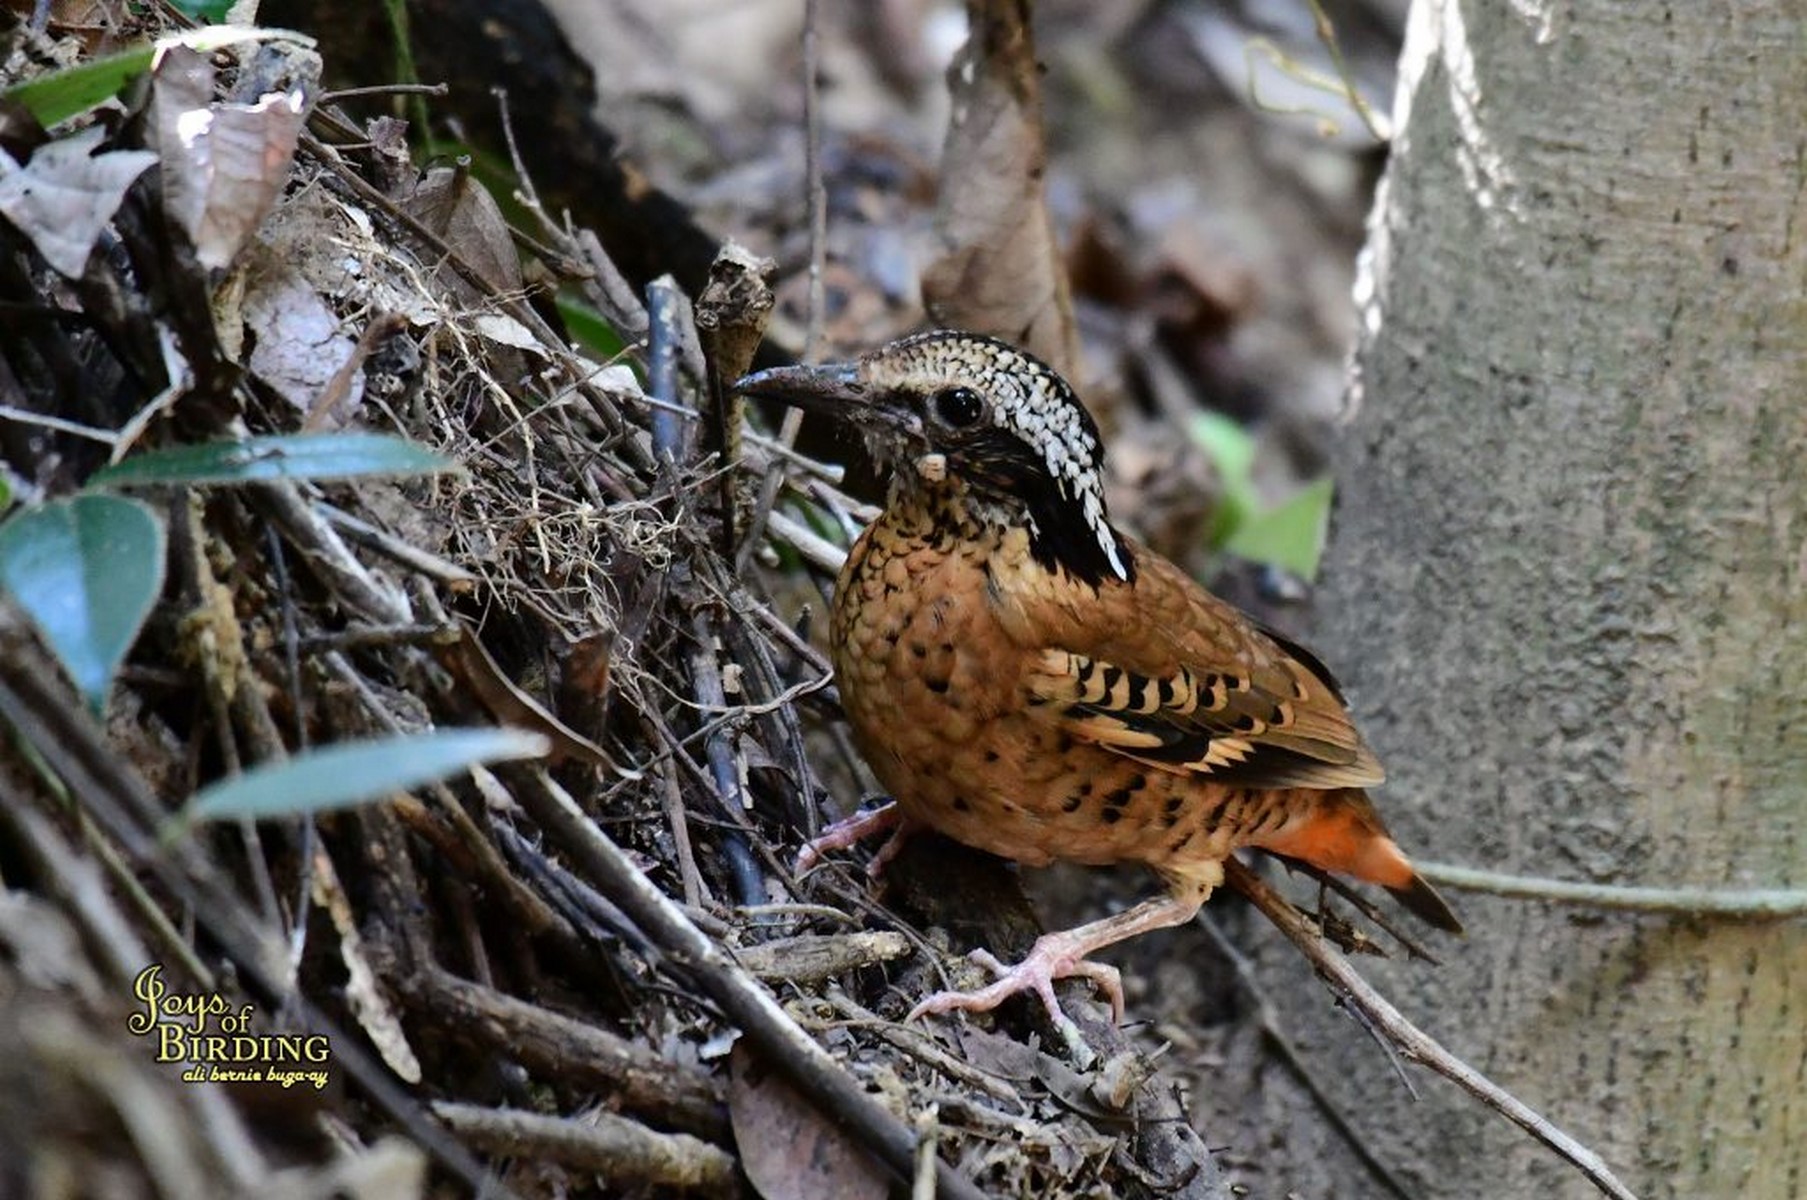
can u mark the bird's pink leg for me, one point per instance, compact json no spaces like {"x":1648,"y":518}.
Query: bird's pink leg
{"x":850,"y":830}
{"x":1063,"y":955}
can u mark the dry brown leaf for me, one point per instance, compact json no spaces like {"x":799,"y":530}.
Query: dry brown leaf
{"x":299,"y":349}
{"x":999,"y":270}
{"x":223,"y":164}
{"x":512,"y":706}
{"x":787,"y":1148}
{"x":63,"y":198}
{"x":465,"y":216}
{"x":362,"y":991}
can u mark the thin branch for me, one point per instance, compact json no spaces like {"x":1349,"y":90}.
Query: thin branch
{"x":119,"y":799}
{"x":817,"y":549}
{"x":1757,"y":904}
{"x":1294,"y":1061}
{"x":722,"y":749}
{"x":24,"y":416}
{"x":818,"y":256}
{"x":627,"y":1154}
{"x":386,"y":89}
{"x":1413,"y":1043}
{"x":818,"y":196}
{"x":748,"y":1005}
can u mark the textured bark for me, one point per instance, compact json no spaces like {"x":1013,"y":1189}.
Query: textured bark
{"x":1568,"y":592}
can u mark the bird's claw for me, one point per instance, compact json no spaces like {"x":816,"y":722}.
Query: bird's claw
{"x":850,"y":831}
{"x":1052,"y":957}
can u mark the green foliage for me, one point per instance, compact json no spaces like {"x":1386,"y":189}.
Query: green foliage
{"x":58,"y":95}
{"x":589,"y":330}
{"x":1289,"y":535}
{"x":87,"y":570}
{"x":208,"y":12}
{"x":282,"y":456}
{"x":351,"y":773}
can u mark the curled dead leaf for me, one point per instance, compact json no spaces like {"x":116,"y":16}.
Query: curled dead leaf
{"x":999,"y":269}
{"x":64,"y":196}
{"x":787,"y":1148}
{"x":223,"y":164}
{"x":514,"y":707}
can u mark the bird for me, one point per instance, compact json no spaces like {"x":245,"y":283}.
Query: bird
{"x":1027,"y":679}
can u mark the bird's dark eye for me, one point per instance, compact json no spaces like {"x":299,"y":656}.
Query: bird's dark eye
{"x":958,"y":406}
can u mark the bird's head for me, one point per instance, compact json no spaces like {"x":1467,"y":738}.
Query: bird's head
{"x":957,"y":413}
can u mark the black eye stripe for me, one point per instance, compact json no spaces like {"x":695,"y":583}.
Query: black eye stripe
{"x":958,"y":406}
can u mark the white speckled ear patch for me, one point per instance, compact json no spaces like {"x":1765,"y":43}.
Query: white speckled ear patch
{"x":1024,"y":396}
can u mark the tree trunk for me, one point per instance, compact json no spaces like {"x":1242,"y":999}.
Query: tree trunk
{"x":1568,"y":592}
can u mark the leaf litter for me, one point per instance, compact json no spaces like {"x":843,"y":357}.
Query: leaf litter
{"x":587,"y":570}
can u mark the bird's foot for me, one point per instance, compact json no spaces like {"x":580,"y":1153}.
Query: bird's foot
{"x":1063,"y":955}
{"x":1054,"y":956}
{"x":852,"y":830}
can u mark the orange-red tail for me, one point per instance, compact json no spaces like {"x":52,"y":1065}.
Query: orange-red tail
{"x":1343,"y":833}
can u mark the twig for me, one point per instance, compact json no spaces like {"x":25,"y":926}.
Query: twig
{"x":1378,"y":126}
{"x":675,"y":817}
{"x":385,"y":89}
{"x":761,"y":678}
{"x":217,"y":644}
{"x":351,"y":583}
{"x":81,"y":885}
{"x":669,"y":433}
{"x":358,"y":637}
{"x":611,"y":293}
{"x":725,"y":768}
{"x":1295,"y":1062}
{"x":818,"y":196}
{"x":920,"y":1046}
{"x":396,"y":550}
{"x":582,"y":1055}
{"x":817,"y":549}
{"x":62,"y":425}
{"x":628,"y":1155}
{"x":767,"y":1027}
{"x":1366,"y":907}
{"x":1757,"y":904}
{"x":120,"y":800}
{"x":576,"y":902}
{"x":802,"y":649}
{"x":773,"y":448}
{"x":813,"y":957}
{"x":818,"y":254}
{"x":291,"y":664}
{"x":1413,"y":1043}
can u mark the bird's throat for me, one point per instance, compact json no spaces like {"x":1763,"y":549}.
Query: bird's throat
{"x":1061,"y":536}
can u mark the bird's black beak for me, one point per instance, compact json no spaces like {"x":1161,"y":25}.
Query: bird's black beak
{"x":834,"y":390}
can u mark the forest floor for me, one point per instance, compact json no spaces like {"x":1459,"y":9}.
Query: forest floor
{"x":595,"y":972}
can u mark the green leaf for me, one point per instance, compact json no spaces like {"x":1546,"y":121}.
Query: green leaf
{"x":59,"y":95}
{"x":1227,"y":442}
{"x":356,"y":772}
{"x":1289,"y":535}
{"x":1232,"y":452}
{"x":205,"y":11}
{"x":589,"y":330}
{"x":288,"y":456}
{"x":87,"y":570}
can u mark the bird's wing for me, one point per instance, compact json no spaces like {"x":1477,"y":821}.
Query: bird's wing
{"x":1184,"y":682}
